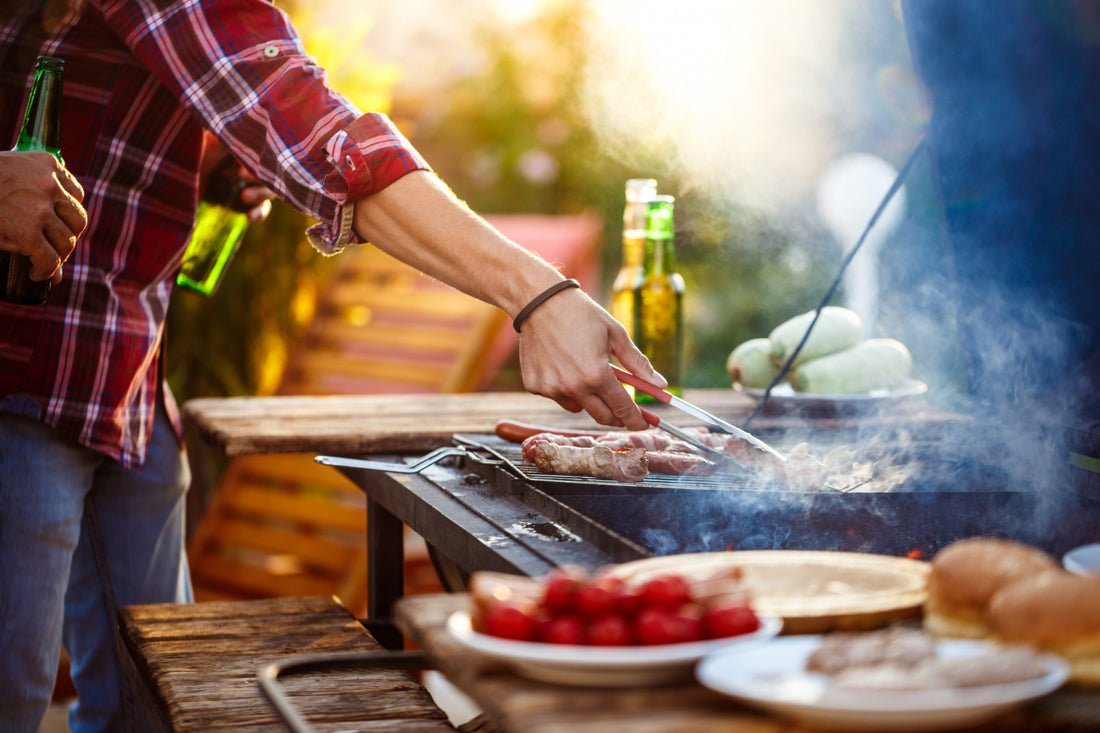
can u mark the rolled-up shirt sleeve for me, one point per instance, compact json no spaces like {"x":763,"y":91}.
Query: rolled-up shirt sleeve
{"x":368,"y":155}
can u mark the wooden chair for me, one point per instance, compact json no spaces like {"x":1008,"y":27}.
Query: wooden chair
{"x":382,"y":327}
{"x":283,"y":526}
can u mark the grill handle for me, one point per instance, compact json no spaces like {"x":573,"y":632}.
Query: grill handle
{"x":419,"y":465}
{"x":268,"y":677}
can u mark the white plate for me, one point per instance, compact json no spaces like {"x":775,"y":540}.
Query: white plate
{"x":772,"y":676}
{"x":608,"y":666}
{"x":1084,"y":560}
{"x":784,"y":396}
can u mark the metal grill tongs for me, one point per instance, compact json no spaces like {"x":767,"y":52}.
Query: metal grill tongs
{"x":695,"y":411}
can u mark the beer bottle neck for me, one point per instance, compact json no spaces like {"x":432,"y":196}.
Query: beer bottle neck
{"x":634,"y":249}
{"x":639,"y":192}
{"x":659,"y":236}
{"x":660,"y":257}
{"x":42,"y":122}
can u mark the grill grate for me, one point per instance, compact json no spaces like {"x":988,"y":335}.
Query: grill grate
{"x":720,"y":480}
{"x":890,"y":469}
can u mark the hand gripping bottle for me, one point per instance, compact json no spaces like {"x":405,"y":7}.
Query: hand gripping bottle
{"x":41,"y":131}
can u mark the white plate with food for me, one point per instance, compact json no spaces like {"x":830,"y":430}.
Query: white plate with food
{"x":602,"y":666}
{"x":772,"y":676}
{"x":783,"y":397}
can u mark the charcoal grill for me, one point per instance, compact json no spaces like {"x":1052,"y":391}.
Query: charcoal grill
{"x":484,"y":508}
{"x":890,"y":499}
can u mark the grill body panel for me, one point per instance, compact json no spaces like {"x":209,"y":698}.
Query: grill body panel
{"x":919,"y":498}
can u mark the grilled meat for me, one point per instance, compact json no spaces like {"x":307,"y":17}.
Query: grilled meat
{"x":599,"y":461}
{"x":665,"y":453}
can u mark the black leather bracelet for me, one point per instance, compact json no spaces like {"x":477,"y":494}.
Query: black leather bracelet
{"x":541,"y":298}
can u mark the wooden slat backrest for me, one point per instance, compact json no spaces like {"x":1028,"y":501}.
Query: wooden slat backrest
{"x":284,"y":526}
{"x":381,"y":332}
{"x":278,"y":526}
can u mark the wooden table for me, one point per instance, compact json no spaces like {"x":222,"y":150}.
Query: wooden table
{"x":195,"y":668}
{"x":523,"y":706}
{"x":349,"y":425}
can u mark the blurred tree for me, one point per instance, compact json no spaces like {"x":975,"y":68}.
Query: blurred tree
{"x":235,"y":342}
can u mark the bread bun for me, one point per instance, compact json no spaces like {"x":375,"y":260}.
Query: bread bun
{"x":1057,"y":612}
{"x":964,"y":577}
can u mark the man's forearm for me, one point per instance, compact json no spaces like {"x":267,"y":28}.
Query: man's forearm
{"x":419,"y":221}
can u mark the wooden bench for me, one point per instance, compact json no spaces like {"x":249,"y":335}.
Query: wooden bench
{"x":195,"y":668}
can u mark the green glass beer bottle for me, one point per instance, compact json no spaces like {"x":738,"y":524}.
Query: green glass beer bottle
{"x":639,"y":191}
{"x":220,"y":223}
{"x":41,"y":131}
{"x":659,"y":299}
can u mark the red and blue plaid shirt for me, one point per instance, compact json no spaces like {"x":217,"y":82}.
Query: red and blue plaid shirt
{"x":142,"y":79}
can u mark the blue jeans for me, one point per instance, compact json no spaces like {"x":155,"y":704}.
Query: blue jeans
{"x":80,"y":537}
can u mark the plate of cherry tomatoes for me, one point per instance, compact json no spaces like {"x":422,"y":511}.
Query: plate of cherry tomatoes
{"x":576,"y":628}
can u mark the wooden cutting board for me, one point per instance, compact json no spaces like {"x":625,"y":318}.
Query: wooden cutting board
{"x":814,"y":591}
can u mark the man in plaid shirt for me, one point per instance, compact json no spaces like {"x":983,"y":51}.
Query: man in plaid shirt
{"x":92,"y":475}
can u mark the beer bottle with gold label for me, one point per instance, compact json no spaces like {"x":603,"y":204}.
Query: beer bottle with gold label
{"x":659,"y":299}
{"x":41,"y":131}
{"x":639,"y":191}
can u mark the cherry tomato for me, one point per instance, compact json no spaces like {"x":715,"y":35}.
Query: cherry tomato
{"x":687,"y":624}
{"x":729,"y":619}
{"x":668,"y":591}
{"x":510,"y":621}
{"x":628,"y":601}
{"x":599,"y":596}
{"x":566,"y":628}
{"x":561,"y":588}
{"x":610,"y":629}
{"x":662,"y":625}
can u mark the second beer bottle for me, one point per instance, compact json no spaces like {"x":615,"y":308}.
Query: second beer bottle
{"x":639,"y":192}
{"x":659,"y":299}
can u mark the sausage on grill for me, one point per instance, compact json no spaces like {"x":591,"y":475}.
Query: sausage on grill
{"x":597,"y":461}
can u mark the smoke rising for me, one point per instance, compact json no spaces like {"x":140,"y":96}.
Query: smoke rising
{"x":739,"y":97}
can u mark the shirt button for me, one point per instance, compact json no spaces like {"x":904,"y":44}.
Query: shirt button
{"x":271,"y":51}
